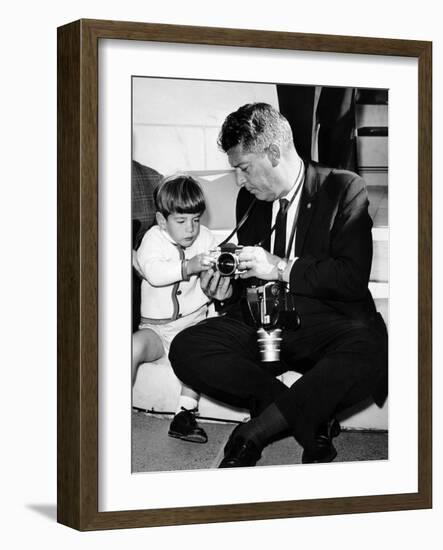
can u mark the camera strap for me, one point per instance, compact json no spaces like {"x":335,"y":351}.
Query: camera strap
{"x":251,"y":206}
{"x":240,"y":223}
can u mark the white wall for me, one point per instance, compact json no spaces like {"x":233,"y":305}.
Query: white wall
{"x":27,"y":400}
{"x":176,"y":122}
{"x":175,"y":128}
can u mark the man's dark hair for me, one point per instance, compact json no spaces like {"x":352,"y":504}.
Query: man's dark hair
{"x":255,"y":126}
{"x":179,"y":194}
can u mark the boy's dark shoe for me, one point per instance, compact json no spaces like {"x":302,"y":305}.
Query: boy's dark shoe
{"x":185,"y":427}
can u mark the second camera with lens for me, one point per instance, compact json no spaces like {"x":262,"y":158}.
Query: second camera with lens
{"x":226,"y":260}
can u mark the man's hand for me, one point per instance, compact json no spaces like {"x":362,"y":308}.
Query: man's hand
{"x":215,"y":286}
{"x":257,"y":262}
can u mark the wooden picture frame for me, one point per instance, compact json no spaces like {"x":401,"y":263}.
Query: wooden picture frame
{"x":78,"y":466}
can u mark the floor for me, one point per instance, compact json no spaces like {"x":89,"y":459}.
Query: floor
{"x":153,"y":450}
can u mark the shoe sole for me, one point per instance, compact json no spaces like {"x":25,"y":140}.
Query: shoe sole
{"x":189,"y":438}
{"x":330,"y":459}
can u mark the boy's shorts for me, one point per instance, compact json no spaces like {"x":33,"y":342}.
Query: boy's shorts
{"x":168,"y":330}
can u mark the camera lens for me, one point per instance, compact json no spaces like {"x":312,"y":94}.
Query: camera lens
{"x":269,"y":344}
{"x":227,"y":264}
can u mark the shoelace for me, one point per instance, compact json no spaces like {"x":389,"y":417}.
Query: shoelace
{"x":193,"y":411}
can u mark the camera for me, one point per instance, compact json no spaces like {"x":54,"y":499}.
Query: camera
{"x":272,"y":308}
{"x":226,"y":260}
{"x":271,"y":305}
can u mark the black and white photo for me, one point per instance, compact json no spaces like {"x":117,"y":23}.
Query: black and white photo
{"x":260,"y":274}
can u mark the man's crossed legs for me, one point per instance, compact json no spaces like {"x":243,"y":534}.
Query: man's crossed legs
{"x":343,"y":362}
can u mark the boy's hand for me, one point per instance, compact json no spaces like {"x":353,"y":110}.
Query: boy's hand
{"x":199,"y":263}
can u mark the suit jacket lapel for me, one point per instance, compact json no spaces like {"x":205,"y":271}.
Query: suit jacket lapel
{"x":306,"y":207}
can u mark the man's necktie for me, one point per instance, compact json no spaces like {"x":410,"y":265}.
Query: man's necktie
{"x":280,"y":229}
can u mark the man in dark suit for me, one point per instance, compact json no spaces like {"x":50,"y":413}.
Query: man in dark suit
{"x":322,"y":250}
{"x":144,"y":182}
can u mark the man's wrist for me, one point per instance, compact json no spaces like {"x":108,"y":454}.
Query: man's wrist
{"x":281,"y":266}
{"x":286,"y":273}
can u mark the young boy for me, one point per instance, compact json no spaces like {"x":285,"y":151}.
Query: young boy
{"x":170,"y":258}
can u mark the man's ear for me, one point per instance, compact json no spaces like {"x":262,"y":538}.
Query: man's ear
{"x":161,"y":220}
{"x":274,"y":155}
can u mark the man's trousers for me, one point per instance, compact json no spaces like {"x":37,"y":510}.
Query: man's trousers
{"x":343,"y":362}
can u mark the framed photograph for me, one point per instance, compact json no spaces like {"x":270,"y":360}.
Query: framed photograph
{"x":149,"y":422}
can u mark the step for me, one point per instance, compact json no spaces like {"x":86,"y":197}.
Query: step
{"x":371,"y":115}
{"x":380,"y":262}
{"x":157,"y":389}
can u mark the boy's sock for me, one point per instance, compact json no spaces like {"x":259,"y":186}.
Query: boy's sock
{"x":188,"y":403}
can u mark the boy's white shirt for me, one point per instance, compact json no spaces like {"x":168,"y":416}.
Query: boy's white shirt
{"x":161,"y":266}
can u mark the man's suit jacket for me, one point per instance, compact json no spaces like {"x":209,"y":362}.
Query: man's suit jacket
{"x":144,"y":182}
{"x":334,"y":248}
{"x":333,"y":242}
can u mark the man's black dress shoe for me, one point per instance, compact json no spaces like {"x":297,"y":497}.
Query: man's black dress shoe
{"x":323,"y":450}
{"x":240,"y":452}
